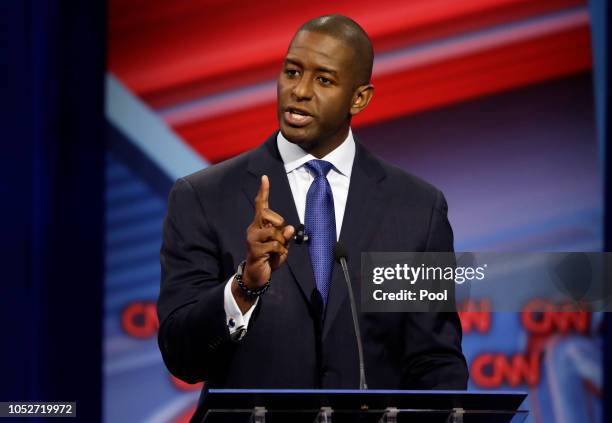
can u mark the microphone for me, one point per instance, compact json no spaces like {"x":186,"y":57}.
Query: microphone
{"x":300,"y":236}
{"x":340,"y":255}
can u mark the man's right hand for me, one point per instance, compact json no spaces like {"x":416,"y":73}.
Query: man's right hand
{"x":267,"y":246}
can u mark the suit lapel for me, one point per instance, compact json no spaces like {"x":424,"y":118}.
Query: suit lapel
{"x":364,"y":208}
{"x":267,"y":161}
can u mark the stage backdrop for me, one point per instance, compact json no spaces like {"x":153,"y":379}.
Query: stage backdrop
{"x":490,"y":100}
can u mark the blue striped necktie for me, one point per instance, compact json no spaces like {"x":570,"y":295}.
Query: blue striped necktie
{"x":320,"y":225}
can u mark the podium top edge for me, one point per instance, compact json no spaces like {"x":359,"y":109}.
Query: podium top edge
{"x":366,"y":391}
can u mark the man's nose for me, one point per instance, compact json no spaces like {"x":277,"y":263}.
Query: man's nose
{"x":302,"y":90}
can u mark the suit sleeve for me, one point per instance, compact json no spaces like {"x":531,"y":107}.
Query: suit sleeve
{"x":193,"y":336}
{"x":433,"y":357}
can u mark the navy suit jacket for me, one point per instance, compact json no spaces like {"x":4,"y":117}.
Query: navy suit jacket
{"x":288,"y":345}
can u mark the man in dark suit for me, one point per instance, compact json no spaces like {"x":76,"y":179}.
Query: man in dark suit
{"x":243,"y":306}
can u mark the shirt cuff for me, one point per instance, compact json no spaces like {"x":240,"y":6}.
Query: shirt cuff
{"x":236,"y":321}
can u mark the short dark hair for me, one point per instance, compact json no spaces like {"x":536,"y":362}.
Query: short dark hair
{"x":345,"y":29}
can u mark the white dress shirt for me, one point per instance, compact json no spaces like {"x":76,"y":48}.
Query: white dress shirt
{"x":300,"y":179}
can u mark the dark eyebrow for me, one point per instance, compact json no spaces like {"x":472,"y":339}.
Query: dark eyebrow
{"x":293,"y":62}
{"x":318,"y":69}
{"x":326,"y":70}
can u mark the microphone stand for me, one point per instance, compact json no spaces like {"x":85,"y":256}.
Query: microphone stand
{"x":341,"y":257}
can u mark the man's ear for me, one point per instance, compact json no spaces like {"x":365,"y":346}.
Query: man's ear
{"x":361,"y":98}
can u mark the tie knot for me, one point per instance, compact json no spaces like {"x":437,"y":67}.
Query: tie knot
{"x":319,"y":167}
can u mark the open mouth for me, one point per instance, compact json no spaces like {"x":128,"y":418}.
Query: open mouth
{"x":297,"y":117}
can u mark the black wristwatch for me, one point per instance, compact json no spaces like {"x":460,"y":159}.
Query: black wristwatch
{"x":249,"y":292}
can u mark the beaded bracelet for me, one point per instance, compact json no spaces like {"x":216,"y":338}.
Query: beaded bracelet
{"x":248,"y":291}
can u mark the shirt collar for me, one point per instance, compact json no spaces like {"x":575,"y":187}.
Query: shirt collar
{"x":294,"y":157}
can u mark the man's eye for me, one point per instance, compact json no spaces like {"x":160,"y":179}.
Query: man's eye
{"x":291,"y":72}
{"x":324,"y":80}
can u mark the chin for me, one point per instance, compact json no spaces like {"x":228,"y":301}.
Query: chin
{"x":297,"y":136}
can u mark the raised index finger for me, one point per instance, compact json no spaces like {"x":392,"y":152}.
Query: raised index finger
{"x":261,"y":200}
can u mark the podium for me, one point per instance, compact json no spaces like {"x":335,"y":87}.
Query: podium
{"x":363,"y":406}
